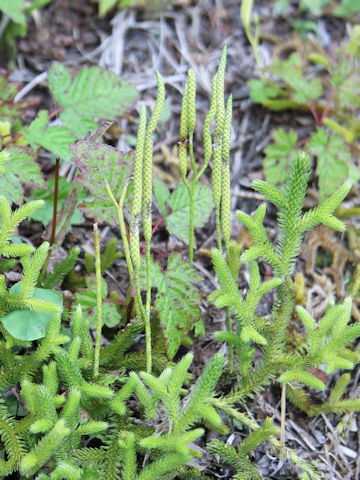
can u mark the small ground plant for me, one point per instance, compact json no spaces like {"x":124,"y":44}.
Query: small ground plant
{"x":114,"y":407}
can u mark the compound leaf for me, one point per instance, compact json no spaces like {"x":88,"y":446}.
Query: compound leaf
{"x":14,"y":9}
{"x":8,"y":109}
{"x":87,"y":299}
{"x":93,"y":93}
{"x":291,"y":72}
{"x":279,"y":155}
{"x":334,"y":164}
{"x":55,"y":139}
{"x":177,"y":300}
{"x":17,"y":167}
{"x":176,"y":209}
{"x":261,"y":91}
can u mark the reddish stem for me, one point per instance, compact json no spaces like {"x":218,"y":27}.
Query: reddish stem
{"x":54,"y":113}
{"x":56,"y":192}
{"x":15,"y":136}
{"x":302,"y":142}
{"x":328,"y":105}
{"x":314,"y":114}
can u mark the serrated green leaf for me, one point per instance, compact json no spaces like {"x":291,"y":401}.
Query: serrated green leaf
{"x":110,"y":315}
{"x":93,"y":160}
{"x":87,"y":296}
{"x":162,"y":194}
{"x":55,"y":139}
{"x":177,"y":209}
{"x":177,"y":300}
{"x":17,"y":167}
{"x":8,"y":109}
{"x":105,"y":6}
{"x":87,"y":299}
{"x":334,"y":164}
{"x":291,"y":72}
{"x":279,"y":155}
{"x":45,"y":213}
{"x":315,"y":6}
{"x":14,"y":9}
{"x":347,"y":7}
{"x":260,"y":91}
{"x":93,"y":93}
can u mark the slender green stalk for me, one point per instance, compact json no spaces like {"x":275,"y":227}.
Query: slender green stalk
{"x":121,"y":221}
{"x":283,"y":414}
{"x":98,"y":300}
{"x":122,"y":226}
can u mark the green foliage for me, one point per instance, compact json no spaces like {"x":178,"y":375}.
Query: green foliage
{"x":25,"y":310}
{"x":315,"y":7}
{"x":84,"y":415}
{"x":14,"y":9}
{"x":17,"y":167}
{"x":106,"y":5}
{"x":327,"y":344}
{"x":31,"y":323}
{"x":176,"y":207}
{"x":61,"y":269}
{"x":237,"y":457}
{"x":279,"y":155}
{"x":55,"y":139}
{"x":335,"y":93}
{"x":10,"y":111}
{"x":334,"y":165}
{"x":290,"y":71}
{"x":177,"y":301}
{"x":87,"y":299}
{"x":93,"y":93}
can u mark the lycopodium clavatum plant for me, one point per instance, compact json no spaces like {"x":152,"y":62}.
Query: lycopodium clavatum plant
{"x":86,"y":395}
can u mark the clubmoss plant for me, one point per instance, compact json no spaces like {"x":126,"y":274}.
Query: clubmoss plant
{"x":325,"y":342}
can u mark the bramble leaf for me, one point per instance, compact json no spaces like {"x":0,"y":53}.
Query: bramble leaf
{"x":14,"y":9}
{"x":8,"y":109}
{"x":279,"y":155}
{"x":105,"y":6}
{"x":347,"y":7}
{"x":291,"y":72}
{"x":176,"y":208}
{"x":334,"y":164}
{"x":92,"y":161}
{"x":261,"y":91}
{"x":177,"y":300}
{"x":315,"y":6}
{"x":87,"y":299}
{"x":17,"y":167}
{"x":93,"y":93}
{"x":55,"y":139}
